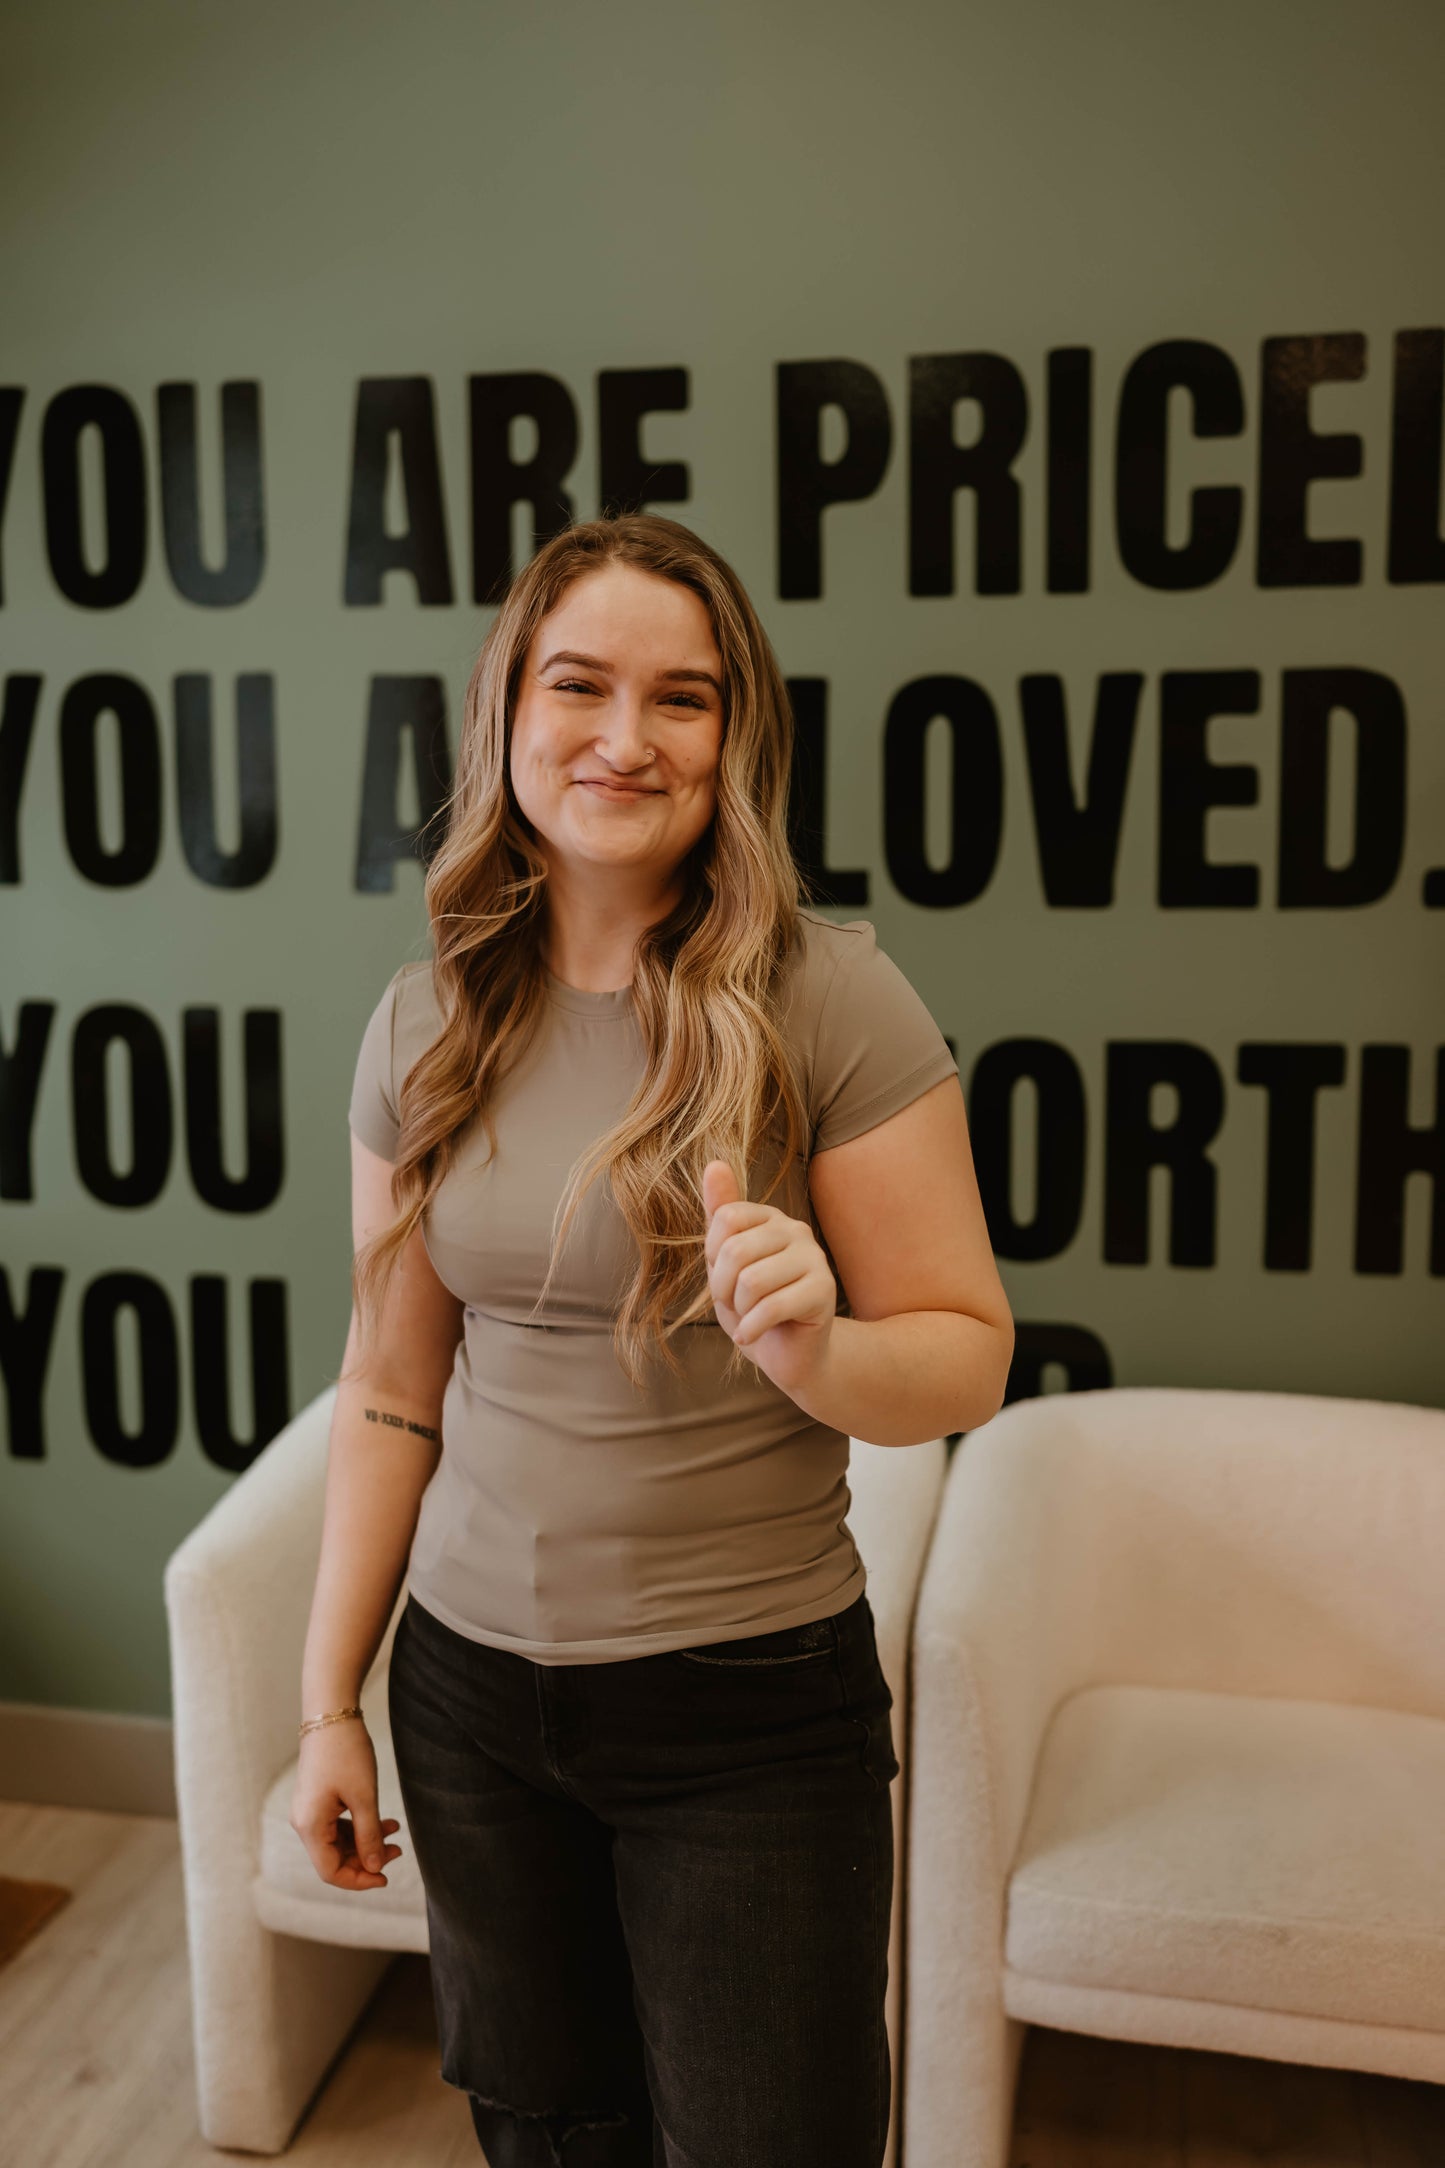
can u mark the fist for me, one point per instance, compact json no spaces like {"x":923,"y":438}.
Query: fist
{"x":772,"y":1287}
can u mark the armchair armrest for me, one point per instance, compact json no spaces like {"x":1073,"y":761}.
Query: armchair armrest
{"x":269,"y":2010}
{"x":1002,"y":1630}
{"x":895,"y":1492}
{"x":238,"y":1593}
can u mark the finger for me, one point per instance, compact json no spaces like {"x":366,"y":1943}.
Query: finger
{"x":356,"y":1872}
{"x":768,"y":1238}
{"x":366,"y":1824}
{"x":328,"y":1846}
{"x":353,"y":1858}
{"x":334,"y":1861}
{"x":324,"y":1856}
{"x":384,"y":1830}
{"x":764,"y":1275}
{"x":785,"y":1307}
{"x":736,"y":1218}
{"x":726,"y":1315}
{"x":359,"y":1878}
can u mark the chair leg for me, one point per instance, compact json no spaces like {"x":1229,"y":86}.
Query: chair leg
{"x":270,"y":2013}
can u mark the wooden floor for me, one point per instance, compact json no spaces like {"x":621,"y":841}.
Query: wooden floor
{"x":96,"y":2071}
{"x":1112,"y":2104}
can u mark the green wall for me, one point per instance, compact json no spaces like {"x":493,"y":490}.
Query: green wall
{"x":305,"y":198}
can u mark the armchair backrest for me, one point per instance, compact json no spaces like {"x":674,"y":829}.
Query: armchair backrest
{"x":1267,"y":1543}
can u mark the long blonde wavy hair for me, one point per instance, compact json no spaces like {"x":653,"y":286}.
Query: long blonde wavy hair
{"x":719,"y":1077}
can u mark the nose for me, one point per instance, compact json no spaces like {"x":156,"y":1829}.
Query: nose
{"x":622,"y":742}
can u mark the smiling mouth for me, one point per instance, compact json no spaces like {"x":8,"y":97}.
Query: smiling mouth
{"x":618,"y":790}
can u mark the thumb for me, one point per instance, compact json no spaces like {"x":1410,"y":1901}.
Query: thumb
{"x":719,"y":1186}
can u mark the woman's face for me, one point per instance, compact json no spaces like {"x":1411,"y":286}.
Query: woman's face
{"x":625,"y":666}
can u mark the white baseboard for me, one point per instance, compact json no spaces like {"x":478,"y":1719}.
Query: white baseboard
{"x":86,"y":1758}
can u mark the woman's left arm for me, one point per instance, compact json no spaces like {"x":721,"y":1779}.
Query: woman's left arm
{"x":927,"y":1348}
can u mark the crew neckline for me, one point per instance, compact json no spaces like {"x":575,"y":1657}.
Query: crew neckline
{"x":613,"y":1001}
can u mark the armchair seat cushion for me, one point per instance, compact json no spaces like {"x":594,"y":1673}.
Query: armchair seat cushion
{"x":1265,"y":1853}
{"x":290,"y":1897}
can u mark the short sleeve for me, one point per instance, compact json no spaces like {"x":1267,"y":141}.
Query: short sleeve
{"x":372,"y":1113}
{"x":877,"y":1047}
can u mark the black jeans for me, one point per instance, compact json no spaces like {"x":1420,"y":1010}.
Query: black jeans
{"x":658,"y":1893}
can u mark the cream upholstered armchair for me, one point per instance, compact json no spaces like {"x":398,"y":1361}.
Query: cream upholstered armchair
{"x":1178,"y":1750}
{"x":282,"y":1964}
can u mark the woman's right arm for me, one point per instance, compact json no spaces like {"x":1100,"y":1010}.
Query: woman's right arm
{"x":385,"y":1443}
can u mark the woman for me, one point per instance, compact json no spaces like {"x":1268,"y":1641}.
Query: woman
{"x":609,"y":1149}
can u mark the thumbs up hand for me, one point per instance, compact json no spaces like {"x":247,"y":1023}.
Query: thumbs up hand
{"x":772,"y":1287}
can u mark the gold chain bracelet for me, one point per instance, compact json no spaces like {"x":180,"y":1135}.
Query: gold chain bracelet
{"x":314,"y":1723}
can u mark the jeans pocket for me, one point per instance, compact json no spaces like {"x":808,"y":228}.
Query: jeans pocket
{"x":867,"y":1696}
{"x":787,"y":1645}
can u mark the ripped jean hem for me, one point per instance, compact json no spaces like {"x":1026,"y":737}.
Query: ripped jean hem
{"x":556,"y":2125}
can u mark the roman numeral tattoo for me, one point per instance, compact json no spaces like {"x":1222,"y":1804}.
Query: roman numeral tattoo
{"x":401,"y":1422}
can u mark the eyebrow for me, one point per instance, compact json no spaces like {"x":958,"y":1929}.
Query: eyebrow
{"x":595,"y":662}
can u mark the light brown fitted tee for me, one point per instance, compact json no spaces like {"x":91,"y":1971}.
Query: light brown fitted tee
{"x":573,"y":1517}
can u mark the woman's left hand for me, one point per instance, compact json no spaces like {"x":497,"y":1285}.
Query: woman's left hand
{"x":772,"y":1286}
